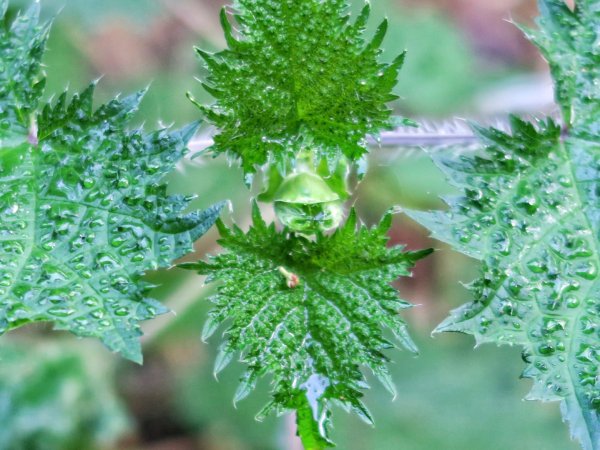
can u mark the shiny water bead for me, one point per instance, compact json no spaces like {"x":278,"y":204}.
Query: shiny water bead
{"x":306,"y":204}
{"x":569,"y":41}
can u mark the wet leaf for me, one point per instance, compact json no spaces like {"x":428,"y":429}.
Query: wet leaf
{"x":297,"y":76}
{"x":529,"y":210}
{"x":569,"y":40}
{"x":309,"y":313}
{"x":84,"y":211}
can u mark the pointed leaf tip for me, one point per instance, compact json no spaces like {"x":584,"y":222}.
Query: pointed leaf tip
{"x":386,"y":221}
{"x":189,"y":131}
{"x":210,"y":326}
{"x":245,"y":388}
{"x":227,"y":28}
{"x":223,"y":359}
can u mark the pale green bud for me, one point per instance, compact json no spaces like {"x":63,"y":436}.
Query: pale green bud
{"x":306,"y":204}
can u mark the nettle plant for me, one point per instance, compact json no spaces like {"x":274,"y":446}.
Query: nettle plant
{"x":307,"y":300}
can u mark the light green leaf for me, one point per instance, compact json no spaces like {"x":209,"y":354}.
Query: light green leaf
{"x":309,"y":313}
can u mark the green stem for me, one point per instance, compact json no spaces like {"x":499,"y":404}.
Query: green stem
{"x":308,"y":427}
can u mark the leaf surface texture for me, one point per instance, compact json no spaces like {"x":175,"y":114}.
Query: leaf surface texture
{"x":309,"y":313}
{"x":529,"y":209}
{"x":297,"y":76}
{"x":84,"y":211}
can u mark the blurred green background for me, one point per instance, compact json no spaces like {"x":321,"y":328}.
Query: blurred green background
{"x":464,"y":60}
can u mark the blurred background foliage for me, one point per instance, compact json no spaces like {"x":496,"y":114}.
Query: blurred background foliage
{"x":465,"y":60}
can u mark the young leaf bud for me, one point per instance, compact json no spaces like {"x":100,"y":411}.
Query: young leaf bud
{"x":306,"y":204}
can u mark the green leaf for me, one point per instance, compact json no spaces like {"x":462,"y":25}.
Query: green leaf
{"x":21,"y":82}
{"x":57,"y":397}
{"x":298,"y":75}
{"x":84,"y":212}
{"x":570,"y":41}
{"x":529,"y":212}
{"x":310,"y":313}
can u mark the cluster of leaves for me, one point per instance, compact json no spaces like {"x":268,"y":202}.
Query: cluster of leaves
{"x":309,"y":312}
{"x":83,"y":209}
{"x":299,"y":76}
{"x":299,"y":89}
{"x":530,"y":212}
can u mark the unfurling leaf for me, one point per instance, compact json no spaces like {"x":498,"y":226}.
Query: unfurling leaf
{"x":83,"y":209}
{"x":297,"y":76}
{"x":310,"y":313}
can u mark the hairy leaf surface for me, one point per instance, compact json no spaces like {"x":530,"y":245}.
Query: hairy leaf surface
{"x":310,"y":313}
{"x":530,"y":210}
{"x":297,"y":75}
{"x":21,"y":83}
{"x":83,"y":210}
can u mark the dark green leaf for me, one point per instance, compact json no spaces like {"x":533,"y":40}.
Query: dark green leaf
{"x":570,"y":41}
{"x":529,"y":212}
{"x":298,"y":75}
{"x":21,"y":82}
